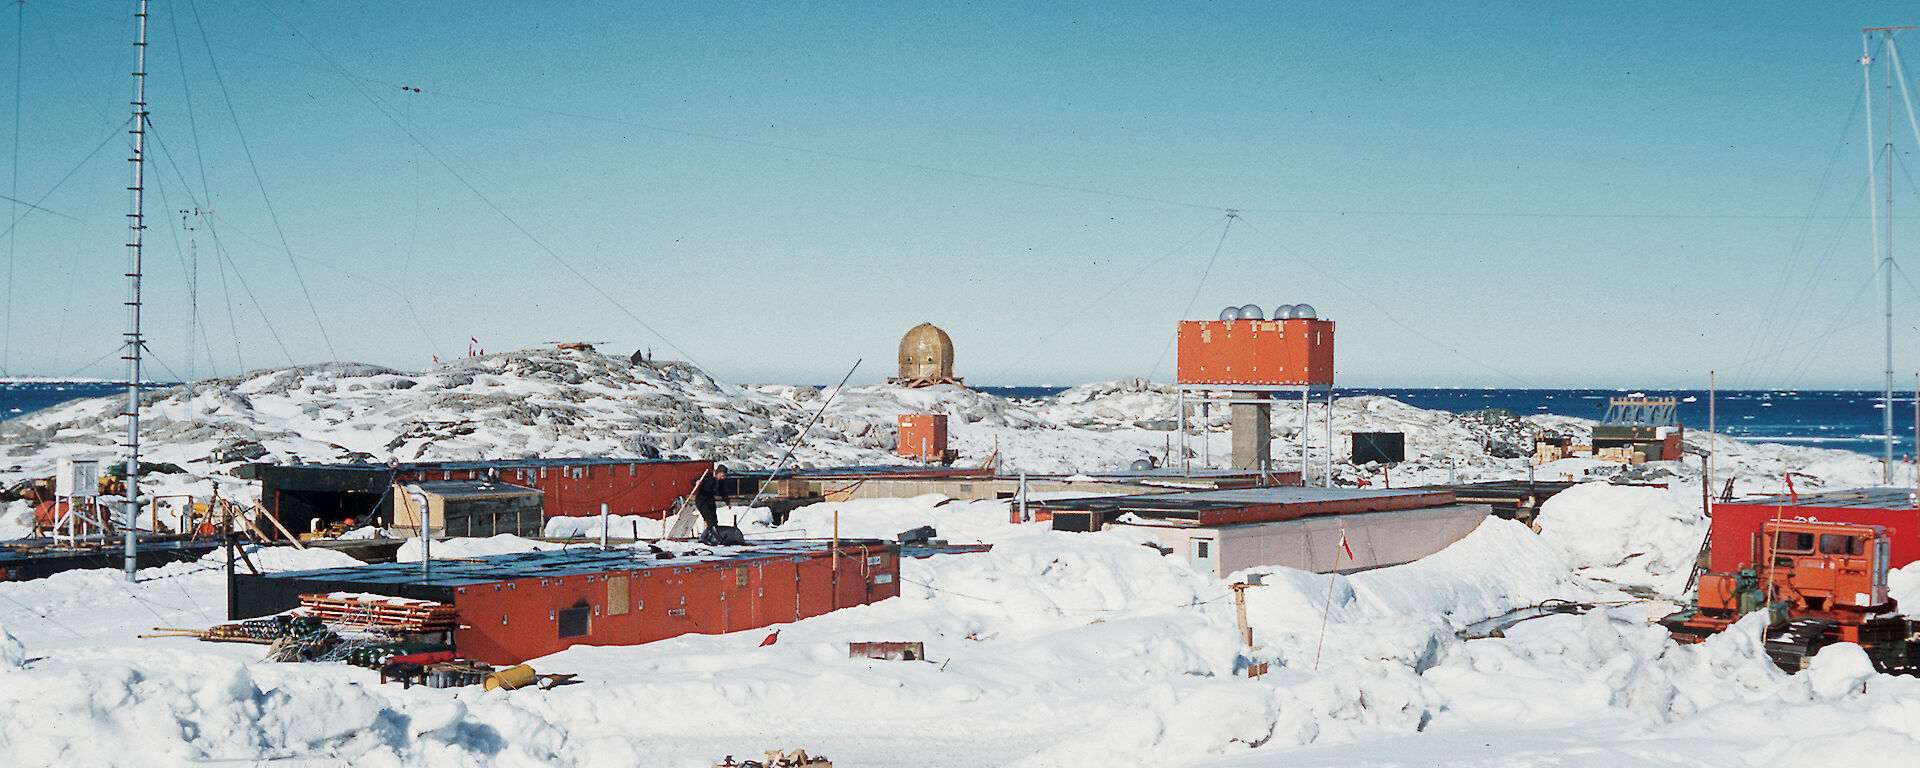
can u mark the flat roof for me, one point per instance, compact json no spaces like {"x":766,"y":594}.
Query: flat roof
{"x":1241,"y":497}
{"x":487,"y":464}
{"x":1189,"y":525}
{"x":903,"y":471}
{"x":1856,"y":498}
{"x":460,"y":488}
{"x":1249,"y":505}
{"x":574,"y":561}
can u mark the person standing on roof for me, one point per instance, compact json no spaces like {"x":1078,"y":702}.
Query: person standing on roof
{"x":705,"y":496}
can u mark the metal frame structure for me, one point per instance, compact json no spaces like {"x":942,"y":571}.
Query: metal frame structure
{"x":1650,"y":411}
{"x":1227,"y":393}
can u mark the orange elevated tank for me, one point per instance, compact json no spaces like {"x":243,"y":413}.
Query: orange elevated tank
{"x":1289,"y":352}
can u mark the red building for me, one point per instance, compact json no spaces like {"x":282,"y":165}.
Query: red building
{"x":576,"y":487}
{"x":1737,"y":525}
{"x":522,"y":606}
{"x":300,"y":494}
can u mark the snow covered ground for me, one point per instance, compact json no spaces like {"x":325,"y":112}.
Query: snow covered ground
{"x":561,"y":403}
{"x":1053,"y":649}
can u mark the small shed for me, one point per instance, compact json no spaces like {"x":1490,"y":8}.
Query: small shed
{"x":470,"y":508}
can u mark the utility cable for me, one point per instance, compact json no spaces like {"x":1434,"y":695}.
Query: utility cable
{"x":51,"y":211}
{"x":260,"y":182}
{"x":220,"y":252}
{"x":802,"y":436}
{"x":1217,"y":246}
{"x":186,"y":91}
{"x":1065,"y":187}
{"x":1365,"y":297}
{"x":1061,"y":327}
{"x":69,"y":174}
{"x":1769,"y":314}
{"x":471,"y":187}
{"x":50,"y":619}
{"x":1773,"y":358}
{"x":13,"y":188}
{"x":402,"y":296}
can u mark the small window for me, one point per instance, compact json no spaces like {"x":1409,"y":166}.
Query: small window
{"x":1200,"y":549}
{"x":1792,"y":541}
{"x":575,"y":621}
{"x":1840,"y":544}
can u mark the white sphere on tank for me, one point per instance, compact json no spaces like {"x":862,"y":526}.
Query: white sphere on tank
{"x":1304,"y":311}
{"x":1283,"y":312}
{"x":1252,"y":312}
{"x":1230,"y":313}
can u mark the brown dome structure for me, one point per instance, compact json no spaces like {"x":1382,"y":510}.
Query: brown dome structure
{"x":926,"y":358}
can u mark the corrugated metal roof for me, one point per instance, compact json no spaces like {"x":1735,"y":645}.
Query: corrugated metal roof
{"x":467,"y":488}
{"x":1231,"y":498}
{"x":1856,"y":498}
{"x":494,"y":464}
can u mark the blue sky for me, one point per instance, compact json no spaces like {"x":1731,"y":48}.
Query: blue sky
{"x":1540,"y":195}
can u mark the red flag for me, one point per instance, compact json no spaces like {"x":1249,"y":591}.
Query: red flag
{"x":1344,"y":547}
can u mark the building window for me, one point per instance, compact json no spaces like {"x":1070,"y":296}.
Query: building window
{"x":576,"y":621}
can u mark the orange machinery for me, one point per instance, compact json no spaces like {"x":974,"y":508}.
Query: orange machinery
{"x":1256,"y":352}
{"x":1823,"y":583}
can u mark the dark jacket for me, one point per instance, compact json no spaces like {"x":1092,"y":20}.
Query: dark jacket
{"x":708,"y":489}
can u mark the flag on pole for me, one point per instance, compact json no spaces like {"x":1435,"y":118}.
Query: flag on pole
{"x":1344,"y":547}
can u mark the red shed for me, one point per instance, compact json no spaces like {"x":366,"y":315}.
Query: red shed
{"x":1736,"y":525}
{"x":522,"y":606}
{"x":922,"y":436}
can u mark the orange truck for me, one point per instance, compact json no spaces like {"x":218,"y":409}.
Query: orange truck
{"x":1821,"y":583}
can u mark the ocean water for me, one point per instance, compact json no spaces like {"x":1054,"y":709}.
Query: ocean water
{"x":23,"y":397}
{"x":1844,"y":419}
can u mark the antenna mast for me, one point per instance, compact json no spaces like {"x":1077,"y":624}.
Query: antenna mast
{"x":136,"y":223}
{"x":1882,"y":249}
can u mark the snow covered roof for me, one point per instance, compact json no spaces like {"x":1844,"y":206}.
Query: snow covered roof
{"x":554,"y":563}
{"x":1856,"y":498}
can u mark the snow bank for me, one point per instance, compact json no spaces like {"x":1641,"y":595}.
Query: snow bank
{"x":1632,"y":536}
{"x":503,"y":544}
